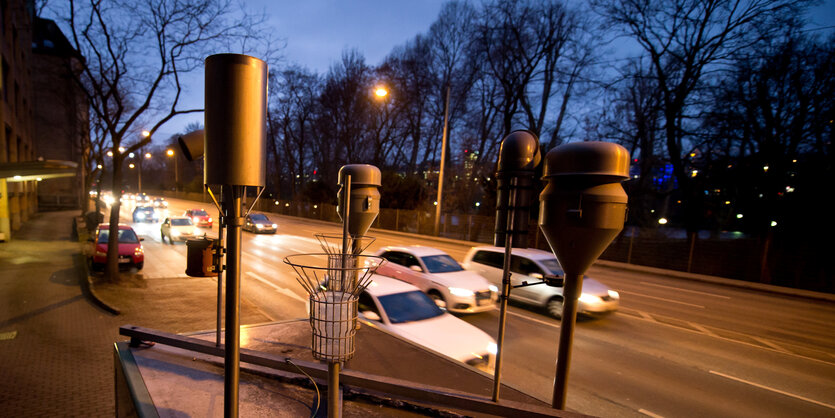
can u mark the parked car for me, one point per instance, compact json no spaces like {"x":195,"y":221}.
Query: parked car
{"x":404,"y":310}
{"x":131,"y":252}
{"x":145,"y":214}
{"x":160,"y":203}
{"x":259,"y":223}
{"x":439,"y":276}
{"x":199,"y":216}
{"x":177,"y":228}
{"x":531,"y":265}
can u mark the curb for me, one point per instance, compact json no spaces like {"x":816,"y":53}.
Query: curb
{"x":86,"y":283}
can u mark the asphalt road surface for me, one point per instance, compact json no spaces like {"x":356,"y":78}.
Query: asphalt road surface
{"x":676,"y":348}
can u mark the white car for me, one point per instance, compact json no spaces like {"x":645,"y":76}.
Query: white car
{"x":441,"y":277}
{"x":531,"y":265}
{"x":404,"y":310}
{"x":178,"y":228}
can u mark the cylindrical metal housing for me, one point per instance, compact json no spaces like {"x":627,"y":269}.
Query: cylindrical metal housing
{"x":365,"y":196}
{"x":236,"y":115}
{"x":518,"y":157}
{"x":583,"y":205}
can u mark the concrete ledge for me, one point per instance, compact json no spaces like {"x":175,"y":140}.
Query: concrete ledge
{"x":762,"y":287}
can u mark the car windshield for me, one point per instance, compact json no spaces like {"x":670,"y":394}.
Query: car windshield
{"x":441,"y":264}
{"x":409,"y":306}
{"x":199,"y":212}
{"x":181,"y":222}
{"x":147,"y":210}
{"x":552,"y":265}
{"x":126,"y":236}
{"x":259,"y":217}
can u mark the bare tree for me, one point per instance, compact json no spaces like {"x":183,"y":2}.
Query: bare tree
{"x":686,"y":42}
{"x":136,"y":53}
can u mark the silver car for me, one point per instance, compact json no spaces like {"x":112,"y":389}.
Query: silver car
{"x":531,"y":265}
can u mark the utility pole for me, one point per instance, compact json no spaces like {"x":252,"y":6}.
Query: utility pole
{"x":443,"y":164}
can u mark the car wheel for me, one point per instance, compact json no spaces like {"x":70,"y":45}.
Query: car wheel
{"x":554,"y":307}
{"x":139,"y":265}
{"x":437,"y":298}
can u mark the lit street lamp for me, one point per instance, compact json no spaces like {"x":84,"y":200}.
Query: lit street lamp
{"x":170,"y":153}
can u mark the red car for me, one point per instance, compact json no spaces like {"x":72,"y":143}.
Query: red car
{"x":199,"y":217}
{"x":130,"y":248}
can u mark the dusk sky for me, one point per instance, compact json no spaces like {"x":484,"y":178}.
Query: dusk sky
{"x":317,"y":31}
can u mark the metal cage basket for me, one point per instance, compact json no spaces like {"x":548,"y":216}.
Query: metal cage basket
{"x":334,"y":282}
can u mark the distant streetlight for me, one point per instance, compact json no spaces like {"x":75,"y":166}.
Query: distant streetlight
{"x":109,"y":153}
{"x":773,"y":223}
{"x":170,"y":153}
{"x":381,"y":92}
{"x":146,"y":134}
{"x":131,"y":165}
{"x":121,"y":150}
{"x":738,"y":216}
{"x":662,"y":221}
{"x":131,"y":155}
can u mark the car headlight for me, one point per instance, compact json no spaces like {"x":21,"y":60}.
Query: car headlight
{"x":614,"y":295}
{"x":138,"y":251}
{"x":275,"y":226}
{"x":195,"y":231}
{"x":493,"y":288}
{"x":210,"y":219}
{"x":140,"y":215}
{"x":457,"y":291}
{"x":259,"y":226}
{"x":175,"y":233}
{"x":588,"y":299}
{"x":492,"y":348}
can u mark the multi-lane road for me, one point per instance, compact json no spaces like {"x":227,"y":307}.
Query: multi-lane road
{"x":676,"y":348}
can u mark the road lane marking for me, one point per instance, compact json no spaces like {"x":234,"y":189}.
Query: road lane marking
{"x":687,"y":290}
{"x":664,"y":299}
{"x":647,"y":316}
{"x":533,"y":319}
{"x":792,"y":395}
{"x":286,"y":292}
{"x":719,"y":337}
{"x":770,"y":344}
{"x":650,"y":414}
{"x":702,"y":329}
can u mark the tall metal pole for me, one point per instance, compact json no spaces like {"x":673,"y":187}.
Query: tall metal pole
{"x":511,"y":213}
{"x":571,"y":292}
{"x":219,"y":270}
{"x":443,"y":164}
{"x":232,"y":355}
{"x":176,"y":173}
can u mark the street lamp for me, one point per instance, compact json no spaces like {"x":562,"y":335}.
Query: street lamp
{"x":381,"y":91}
{"x":170,"y":153}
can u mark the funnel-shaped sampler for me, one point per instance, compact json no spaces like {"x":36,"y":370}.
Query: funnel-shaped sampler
{"x":364,"y":201}
{"x":583,"y":205}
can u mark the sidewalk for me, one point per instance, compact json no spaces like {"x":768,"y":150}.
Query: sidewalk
{"x":56,"y":345}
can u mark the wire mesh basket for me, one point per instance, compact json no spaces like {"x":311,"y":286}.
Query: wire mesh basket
{"x":334,"y":282}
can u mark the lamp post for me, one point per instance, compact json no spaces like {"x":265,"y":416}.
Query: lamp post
{"x":443,"y":161}
{"x":170,"y":153}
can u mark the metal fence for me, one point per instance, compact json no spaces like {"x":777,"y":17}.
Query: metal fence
{"x":775,"y":259}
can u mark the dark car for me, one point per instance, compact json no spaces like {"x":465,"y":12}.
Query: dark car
{"x":199,"y":216}
{"x":259,"y":223}
{"x":145,"y":214}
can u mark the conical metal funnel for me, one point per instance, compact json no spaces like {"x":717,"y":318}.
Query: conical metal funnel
{"x":583,"y":205}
